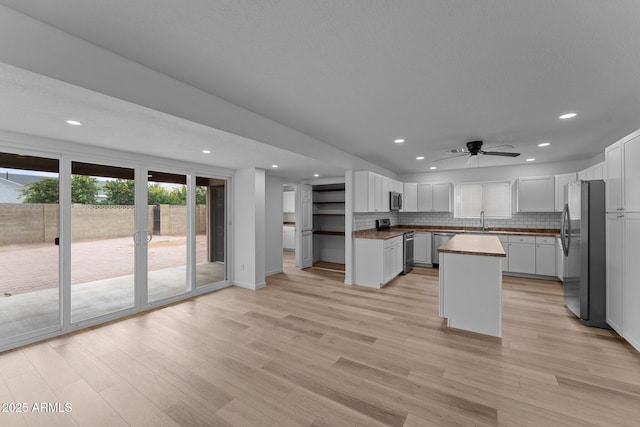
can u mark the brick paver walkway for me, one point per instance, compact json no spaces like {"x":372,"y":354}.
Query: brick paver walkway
{"x":31,"y":267}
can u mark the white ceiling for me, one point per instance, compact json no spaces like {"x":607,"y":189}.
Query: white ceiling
{"x":357,"y":74}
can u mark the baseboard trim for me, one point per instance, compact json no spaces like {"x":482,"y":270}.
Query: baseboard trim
{"x":271,"y":273}
{"x":250,"y":286}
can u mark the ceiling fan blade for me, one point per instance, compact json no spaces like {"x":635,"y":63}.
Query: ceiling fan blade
{"x":500,"y":153}
{"x":451,"y":157}
{"x":456,"y":150}
{"x":493,"y":147}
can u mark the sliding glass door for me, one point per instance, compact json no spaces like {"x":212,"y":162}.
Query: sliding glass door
{"x":29,"y":255}
{"x":102,"y":240}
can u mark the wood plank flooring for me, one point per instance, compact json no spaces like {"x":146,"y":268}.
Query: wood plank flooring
{"x":309,"y":351}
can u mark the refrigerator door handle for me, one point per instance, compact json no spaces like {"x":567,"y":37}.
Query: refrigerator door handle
{"x":564,"y":230}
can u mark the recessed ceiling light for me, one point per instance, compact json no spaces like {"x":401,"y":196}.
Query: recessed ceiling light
{"x":398,"y":141}
{"x":206,"y":151}
{"x":73,"y":123}
{"x":316,"y":175}
{"x":530,"y":160}
{"x":544,"y":144}
{"x":274,"y":166}
{"x":420,"y":158}
{"x":567,"y":116}
{"x":433,"y":168}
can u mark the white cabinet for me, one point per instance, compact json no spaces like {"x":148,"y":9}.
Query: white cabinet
{"x":522,"y":254}
{"x":392,"y":259}
{"x":371,"y":191}
{"x":546,"y":256}
{"x":560,"y":183}
{"x":288,"y":237}
{"x":614,"y":259}
{"x":631,"y":275}
{"x":434,"y":197}
{"x":376,"y":261}
{"x":591,"y":173}
{"x":422,"y":248}
{"x":631,"y":174}
{"x":289,"y":201}
{"x":613,"y":189}
{"x":410,"y":197}
{"x":442,"y":197}
{"x":535,"y":194}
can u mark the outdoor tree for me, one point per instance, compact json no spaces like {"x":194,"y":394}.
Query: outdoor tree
{"x":119,"y":192}
{"x":44,"y":190}
{"x":84,"y":189}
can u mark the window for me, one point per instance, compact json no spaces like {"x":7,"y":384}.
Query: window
{"x":494,"y":198}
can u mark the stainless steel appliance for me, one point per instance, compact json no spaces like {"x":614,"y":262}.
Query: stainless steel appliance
{"x":383,"y":224}
{"x":437,"y":240}
{"x":408,"y":251}
{"x":582,"y":235}
{"x":395,"y":201}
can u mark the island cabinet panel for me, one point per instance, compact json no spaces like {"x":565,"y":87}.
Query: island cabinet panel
{"x":377,"y":261}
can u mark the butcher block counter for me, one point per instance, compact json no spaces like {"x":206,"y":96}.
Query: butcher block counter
{"x":471,"y":283}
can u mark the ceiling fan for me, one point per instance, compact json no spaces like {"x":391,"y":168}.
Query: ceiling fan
{"x":475,"y":147}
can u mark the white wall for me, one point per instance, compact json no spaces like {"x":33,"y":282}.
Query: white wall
{"x":497,"y":173}
{"x":273,"y":224}
{"x":249,"y":228}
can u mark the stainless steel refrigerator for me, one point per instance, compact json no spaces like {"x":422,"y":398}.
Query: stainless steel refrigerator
{"x":583,"y":241}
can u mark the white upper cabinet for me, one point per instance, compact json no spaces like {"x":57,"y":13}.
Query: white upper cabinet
{"x":631,"y":174}
{"x":613,"y":189}
{"x":410,"y":197}
{"x":425,"y":197}
{"x":371,"y":191}
{"x":289,"y":201}
{"x":442,"y":197}
{"x":560,"y":191}
{"x":536,"y":194}
{"x":623,"y":175}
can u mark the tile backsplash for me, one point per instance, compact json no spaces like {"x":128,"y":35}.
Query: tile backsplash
{"x":363,"y":221}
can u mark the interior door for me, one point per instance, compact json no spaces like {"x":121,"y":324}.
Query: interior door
{"x":304,"y":256}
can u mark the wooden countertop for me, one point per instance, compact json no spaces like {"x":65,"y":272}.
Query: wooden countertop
{"x":398,"y":230}
{"x":473,"y":244}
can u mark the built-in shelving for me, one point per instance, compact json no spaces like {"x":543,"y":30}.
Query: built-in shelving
{"x":329,"y":223}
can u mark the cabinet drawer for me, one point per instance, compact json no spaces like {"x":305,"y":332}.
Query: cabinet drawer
{"x":393,"y":241}
{"x":545,"y":240}
{"x":522,"y":239}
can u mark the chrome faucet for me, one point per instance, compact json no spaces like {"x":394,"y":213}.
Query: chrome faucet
{"x":482,"y":221}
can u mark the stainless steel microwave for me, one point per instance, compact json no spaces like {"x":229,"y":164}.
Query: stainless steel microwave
{"x":395,"y":201}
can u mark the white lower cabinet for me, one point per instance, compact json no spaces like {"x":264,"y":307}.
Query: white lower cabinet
{"x":631,"y":275}
{"x":504,"y":241}
{"x":288,"y":237}
{"x":614,"y":253}
{"x":522,"y":254}
{"x":546,"y":256}
{"x":376,"y":261}
{"x":422,"y":248}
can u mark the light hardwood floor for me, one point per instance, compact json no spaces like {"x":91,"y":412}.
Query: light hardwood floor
{"x":309,"y":351}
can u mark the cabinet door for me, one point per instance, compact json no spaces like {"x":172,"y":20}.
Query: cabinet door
{"x":410,"y":197}
{"x":614,"y":258}
{"x":399,"y":258}
{"x":522,"y":258}
{"x":425,"y":197}
{"x":560,"y":191}
{"x":631,"y":290}
{"x":631,"y":175}
{"x":442,"y":197}
{"x":613,"y":189}
{"x":546,"y":260}
{"x":420,"y":248}
{"x":535,"y":194}
{"x":384,"y":194}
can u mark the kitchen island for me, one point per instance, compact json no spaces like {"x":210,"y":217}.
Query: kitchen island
{"x":471,"y":283}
